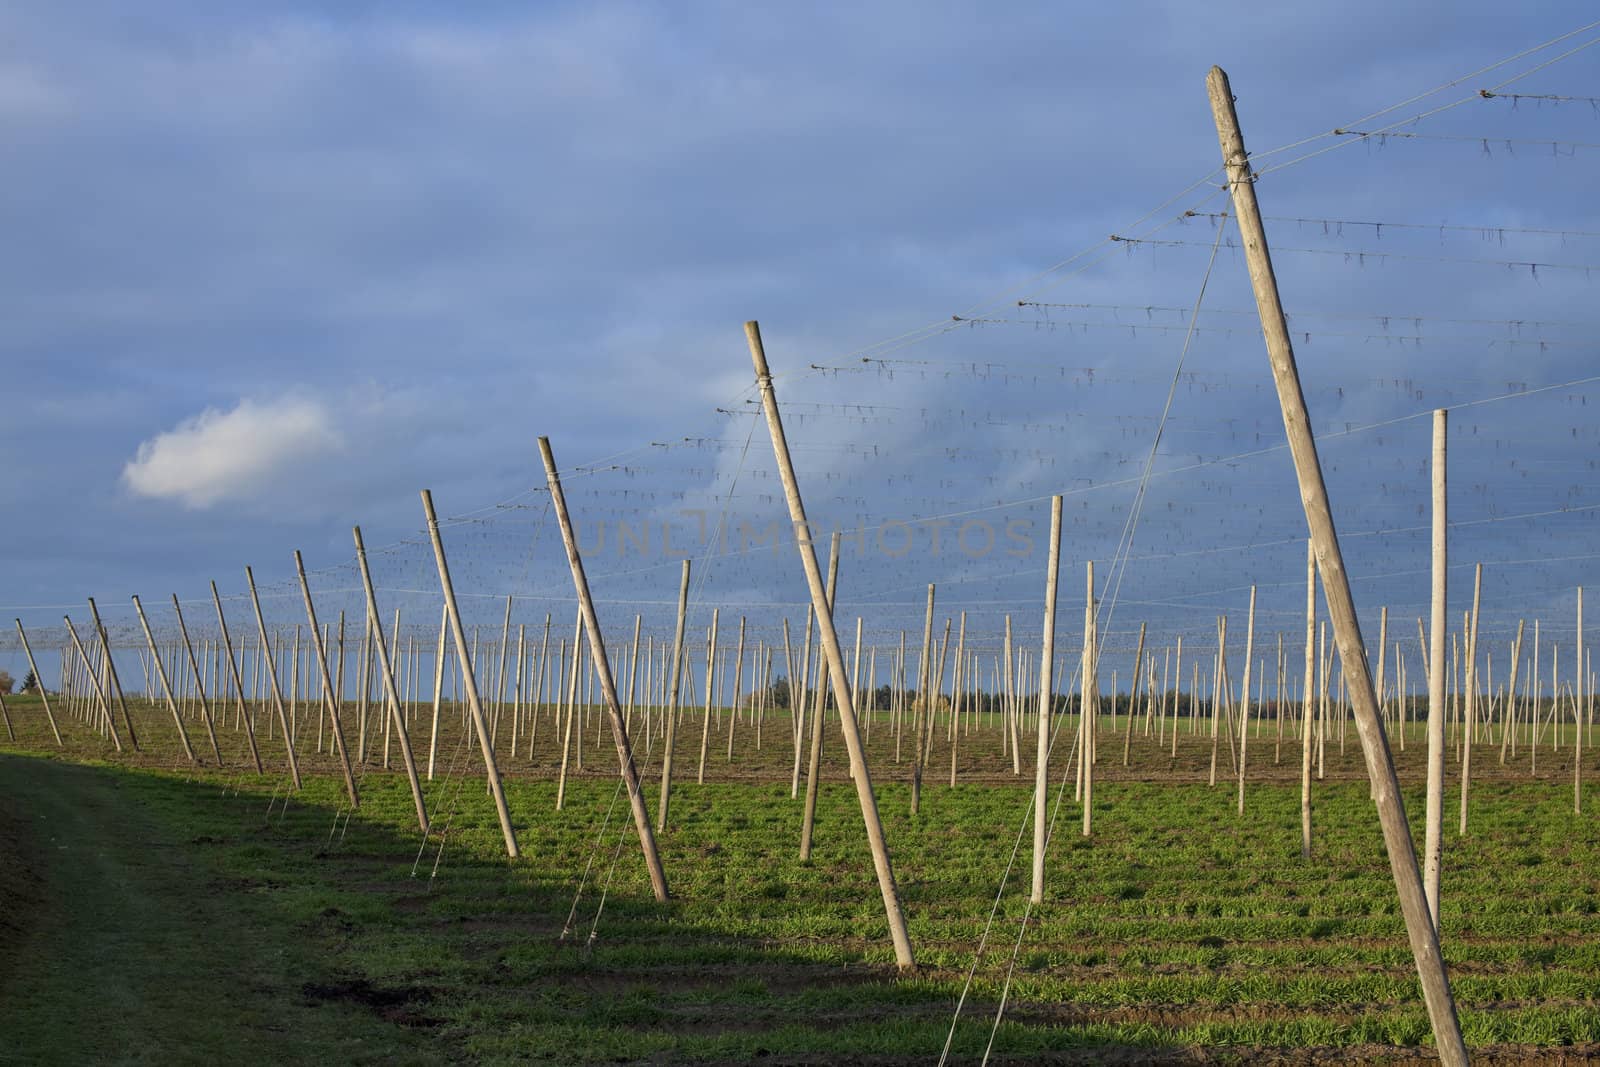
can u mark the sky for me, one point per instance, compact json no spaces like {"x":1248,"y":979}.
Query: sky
{"x":270,"y":270}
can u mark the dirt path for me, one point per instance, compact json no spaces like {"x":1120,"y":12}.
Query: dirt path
{"x":117,"y":945}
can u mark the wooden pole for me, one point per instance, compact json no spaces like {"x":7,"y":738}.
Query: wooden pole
{"x":814,"y":765}
{"x":608,"y":685}
{"x":830,"y":642}
{"x":711,"y":695}
{"x":469,"y":681}
{"x":91,"y":676}
{"x":1089,"y":700}
{"x":39,"y":678}
{"x":1133,"y":695}
{"x":166,"y":688}
{"x":334,"y":694}
{"x":238,"y":682}
{"x":1335,"y":583}
{"x":1577,"y":712}
{"x":198,"y":674}
{"x":389,"y":688}
{"x":1046,"y":700}
{"x":111,"y":673}
{"x":1244,"y":692}
{"x":571,"y":705}
{"x":1470,"y":710}
{"x":922,"y":703}
{"x":438,"y":689}
{"x":738,"y":681}
{"x":672,"y":702}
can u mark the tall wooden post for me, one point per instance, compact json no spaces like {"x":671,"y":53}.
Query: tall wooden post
{"x":438,"y":689}
{"x":389,"y":688}
{"x":238,"y":681}
{"x":1307,"y":700}
{"x":333,"y":694}
{"x":1579,"y":703}
{"x":830,"y":643}
{"x":39,"y":678}
{"x":1244,"y":692}
{"x":1470,"y":710}
{"x":814,"y":764}
{"x":1089,"y":701}
{"x":669,"y":739}
{"x":468,"y":679}
{"x":93,"y":678}
{"x":1335,"y":583}
{"x":1433,"y":843}
{"x":608,"y":685}
{"x":1041,"y":768}
{"x":166,"y":688}
{"x":711,"y":694}
{"x":198,"y":674}
{"x":922,"y":707}
{"x":111,"y":673}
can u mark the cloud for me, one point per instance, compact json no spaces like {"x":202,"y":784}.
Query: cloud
{"x":232,"y":455}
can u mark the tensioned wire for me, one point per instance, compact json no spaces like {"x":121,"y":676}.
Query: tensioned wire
{"x":1119,"y":567}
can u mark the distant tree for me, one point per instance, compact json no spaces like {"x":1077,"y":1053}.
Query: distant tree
{"x":883,"y":698}
{"x":7,"y":683}
{"x":30,"y":683}
{"x":778,"y":695}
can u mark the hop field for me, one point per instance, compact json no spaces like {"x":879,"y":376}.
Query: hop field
{"x":159,"y":912}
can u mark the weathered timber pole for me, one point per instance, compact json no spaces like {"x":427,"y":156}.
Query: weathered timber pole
{"x":1470,"y":710}
{"x":1244,"y":692}
{"x":438,"y":690}
{"x":200,"y":688}
{"x":111,"y":673}
{"x":1307,"y":697}
{"x":468,"y":679}
{"x":1133,"y":695}
{"x":814,"y":764}
{"x":920,"y":706}
{"x":238,"y":680}
{"x":608,"y":685}
{"x":1335,"y":583}
{"x":389,"y":688}
{"x":669,"y":738}
{"x":1433,"y":835}
{"x":43,"y":696}
{"x":1041,"y":767}
{"x":166,"y":687}
{"x":835,"y":657}
{"x":93,"y":678}
{"x":332,"y":694}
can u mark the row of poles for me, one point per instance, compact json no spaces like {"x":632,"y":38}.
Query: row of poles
{"x":1416,"y":884}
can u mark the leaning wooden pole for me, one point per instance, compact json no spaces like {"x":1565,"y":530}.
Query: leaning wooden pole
{"x":608,"y":685}
{"x":670,"y":732}
{"x":332,"y":695}
{"x":111,"y":673}
{"x":166,"y":686}
{"x":468,"y":679}
{"x":390,"y":689}
{"x":1041,"y":767}
{"x":830,"y":643}
{"x":238,"y":682}
{"x":1307,"y":698}
{"x":1335,"y":583}
{"x":808,"y":818}
{"x":43,"y":696}
{"x":200,"y":690}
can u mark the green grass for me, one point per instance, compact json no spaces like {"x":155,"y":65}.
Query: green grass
{"x":185,"y":922}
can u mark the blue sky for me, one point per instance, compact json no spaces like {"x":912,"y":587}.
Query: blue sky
{"x":271,"y":270}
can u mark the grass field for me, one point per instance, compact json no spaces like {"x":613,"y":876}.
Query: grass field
{"x":156,"y":913}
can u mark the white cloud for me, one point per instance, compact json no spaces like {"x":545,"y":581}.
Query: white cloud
{"x":232,"y":455}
